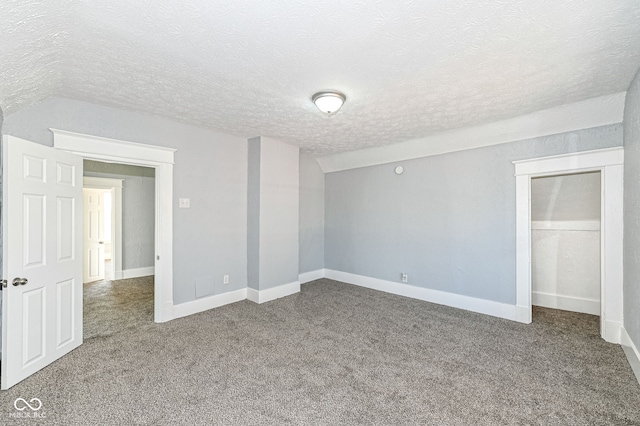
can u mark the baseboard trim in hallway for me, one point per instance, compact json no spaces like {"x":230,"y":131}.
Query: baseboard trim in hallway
{"x":135,"y":273}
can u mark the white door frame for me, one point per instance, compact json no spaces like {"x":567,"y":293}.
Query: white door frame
{"x":162,"y":159}
{"x":610,"y":163}
{"x":116,"y":217}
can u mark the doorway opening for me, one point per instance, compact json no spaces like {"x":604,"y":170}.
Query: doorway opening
{"x":102,"y":228}
{"x":118,"y":247}
{"x":98,"y":241}
{"x":161,"y":159}
{"x":609,"y":164}
{"x":565,"y":242}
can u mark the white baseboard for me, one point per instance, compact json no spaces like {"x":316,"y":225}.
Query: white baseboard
{"x":482,"y":306}
{"x":262,"y":296}
{"x":612,"y":331}
{"x":117,"y":275}
{"x":631,"y":350}
{"x":566,"y":303}
{"x":138,"y":272}
{"x":253,"y":295}
{"x":210,"y":302}
{"x":523,"y":314}
{"x":307,"y":277}
{"x":166,"y":314}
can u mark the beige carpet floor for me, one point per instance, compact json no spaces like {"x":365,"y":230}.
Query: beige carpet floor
{"x":336,"y":354}
{"x":111,"y":306}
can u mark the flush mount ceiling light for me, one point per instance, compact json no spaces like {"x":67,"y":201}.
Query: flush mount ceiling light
{"x":328,"y":102}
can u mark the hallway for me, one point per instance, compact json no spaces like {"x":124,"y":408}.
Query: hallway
{"x":114,"y":305}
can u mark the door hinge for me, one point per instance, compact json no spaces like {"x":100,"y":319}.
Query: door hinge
{"x":3,"y":284}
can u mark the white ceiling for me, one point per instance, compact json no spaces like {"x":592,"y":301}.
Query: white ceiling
{"x":249,"y":67}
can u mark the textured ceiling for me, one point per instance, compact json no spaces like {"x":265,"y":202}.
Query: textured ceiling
{"x":248,"y":67}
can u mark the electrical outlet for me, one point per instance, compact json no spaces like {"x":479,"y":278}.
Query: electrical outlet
{"x":225,"y":279}
{"x":404,"y":277}
{"x":184,"y":203}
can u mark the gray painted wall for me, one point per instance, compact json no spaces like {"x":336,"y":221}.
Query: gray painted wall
{"x":279,"y":203}
{"x":210,"y":238}
{"x":632,"y":211}
{"x":253,"y":215}
{"x":448,"y":221}
{"x":273,"y":205}
{"x":311,"y":214}
{"x":138,"y":210}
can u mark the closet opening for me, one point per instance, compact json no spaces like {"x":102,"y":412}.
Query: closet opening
{"x":565,"y":242}
{"x":604,"y":166}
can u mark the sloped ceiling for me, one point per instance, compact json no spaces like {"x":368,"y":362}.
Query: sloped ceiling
{"x":248,"y":67}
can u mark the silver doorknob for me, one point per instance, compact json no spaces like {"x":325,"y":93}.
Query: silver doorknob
{"x":19,"y":281}
{"x":101,"y":242}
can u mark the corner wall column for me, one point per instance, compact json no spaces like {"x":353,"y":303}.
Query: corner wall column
{"x":272,"y":219}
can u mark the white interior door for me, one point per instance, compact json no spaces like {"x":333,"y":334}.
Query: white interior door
{"x":94,"y":238}
{"x":42,"y":257}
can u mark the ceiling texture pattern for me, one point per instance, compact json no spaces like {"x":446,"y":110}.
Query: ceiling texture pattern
{"x":247,"y":67}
